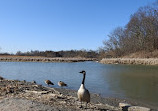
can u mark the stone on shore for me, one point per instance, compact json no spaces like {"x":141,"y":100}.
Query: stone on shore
{"x":138,"y":108}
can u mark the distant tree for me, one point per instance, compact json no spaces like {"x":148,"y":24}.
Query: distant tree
{"x":115,"y":41}
{"x":19,"y":53}
{"x":69,"y":53}
{"x":140,"y":34}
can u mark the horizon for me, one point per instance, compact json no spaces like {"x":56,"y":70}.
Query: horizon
{"x":61,"y":25}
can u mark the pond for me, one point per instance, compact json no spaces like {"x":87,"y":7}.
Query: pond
{"x":136,"y":82}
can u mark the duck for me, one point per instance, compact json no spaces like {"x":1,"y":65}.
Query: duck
{"x":48,"y":82}
{"x":61,"y":84}
{"x":83,"y":93}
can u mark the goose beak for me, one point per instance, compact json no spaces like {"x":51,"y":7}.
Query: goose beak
{"x":80,"y":72}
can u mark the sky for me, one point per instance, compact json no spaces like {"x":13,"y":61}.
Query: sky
{"x":56,"y":25}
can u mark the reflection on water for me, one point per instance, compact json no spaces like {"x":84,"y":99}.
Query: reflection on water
{"x":136,"y":82}
{"x":124,"y":81}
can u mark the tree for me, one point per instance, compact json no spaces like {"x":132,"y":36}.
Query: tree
{"x":140,"y":33}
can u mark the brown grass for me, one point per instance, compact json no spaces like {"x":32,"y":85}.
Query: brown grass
{"x":143,"y":54}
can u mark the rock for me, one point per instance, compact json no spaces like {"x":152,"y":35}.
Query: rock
{"x":124,"y":106}
{"x":37,"y":92}
{"x":138,"y":108}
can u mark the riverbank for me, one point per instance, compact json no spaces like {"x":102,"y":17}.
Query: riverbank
{"x":24,"y":96}
{"x":143,"y":61}
{"x":42,"y":59}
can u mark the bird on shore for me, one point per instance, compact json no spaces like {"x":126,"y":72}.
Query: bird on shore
{"x":1,"y":78}
{"x":34,"y":82}
{"x":48,"y":82}
{"x":61,"y":84}
{"x":83,"y":93}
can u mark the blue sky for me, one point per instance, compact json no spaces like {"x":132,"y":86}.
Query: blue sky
{"x":61,"y":24}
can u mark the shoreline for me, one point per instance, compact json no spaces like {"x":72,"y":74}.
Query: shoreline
{"x":112,"y":101}
{"x":135,"y":61}
{"x":54,"y":98}
{"x":42,"y":59}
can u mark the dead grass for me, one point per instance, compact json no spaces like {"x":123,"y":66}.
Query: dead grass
{"x":143,"y":54}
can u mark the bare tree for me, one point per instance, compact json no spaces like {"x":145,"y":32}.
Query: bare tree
{"x":140,"y":33}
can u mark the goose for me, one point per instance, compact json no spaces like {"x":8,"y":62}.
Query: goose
{"x":83,"y":94}
{"x":1,"y":78}
{"x":34,"y":82}
{"x":61,"y":84}
{"x":48,"y":82}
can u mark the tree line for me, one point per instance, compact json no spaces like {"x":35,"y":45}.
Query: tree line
{"x":99,"y":54}
{"x":69,"y":53}
{"x":140,"y":33}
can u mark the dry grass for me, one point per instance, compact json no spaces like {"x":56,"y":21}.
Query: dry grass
{"x":143,"y":54}
{"x":12,"y":58}
{"x":143,"y":61}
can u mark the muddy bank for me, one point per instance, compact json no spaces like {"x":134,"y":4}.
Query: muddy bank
{"x":22,"y":95}
{"x":114,"y":102}
{"x":143,"y":61}
{"x":42,"y":59}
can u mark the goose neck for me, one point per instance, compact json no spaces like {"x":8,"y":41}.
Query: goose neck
{"x":84,"y":75}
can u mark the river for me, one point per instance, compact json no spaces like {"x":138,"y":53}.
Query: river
{"x":137,"y":82}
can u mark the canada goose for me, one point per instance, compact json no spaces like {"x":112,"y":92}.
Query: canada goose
{"x":83,"y":93}
{"x":61,"y":84}
{"x":48,"y":82}
{"x":34,"y":82}
{"x":1,"y":78}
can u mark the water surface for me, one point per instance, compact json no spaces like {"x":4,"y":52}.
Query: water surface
{"x":136,"y":82}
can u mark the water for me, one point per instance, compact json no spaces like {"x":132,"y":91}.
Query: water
{"x":122,"y":81}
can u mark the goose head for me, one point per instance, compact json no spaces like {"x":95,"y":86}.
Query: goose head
{"x":83,"y":72}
